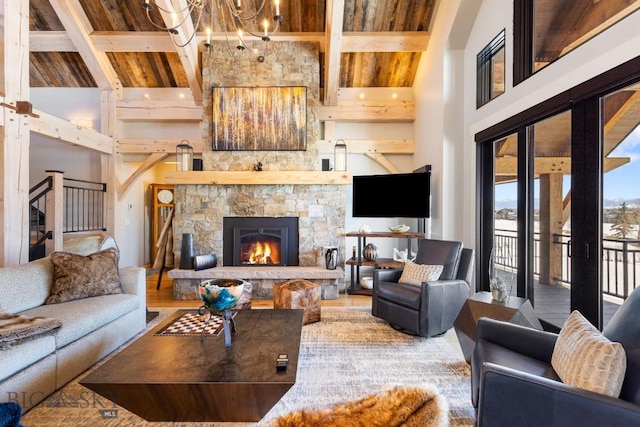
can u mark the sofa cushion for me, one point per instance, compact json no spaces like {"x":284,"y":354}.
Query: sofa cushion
{"x":17,"y":328}
{"x":83,"y":316}
{"x":79,"y":276}
{"x":585,"y":358}
{"x":19,"y":357}
{"x":416,"y":274}
{"x":14,"y":296}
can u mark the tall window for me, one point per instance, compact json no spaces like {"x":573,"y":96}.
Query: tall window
{"x":548,"y":30}
{"x":490,"y":71}
{"x":573,"y":162}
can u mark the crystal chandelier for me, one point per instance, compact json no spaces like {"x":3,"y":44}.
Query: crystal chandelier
{"x":246,"y":19}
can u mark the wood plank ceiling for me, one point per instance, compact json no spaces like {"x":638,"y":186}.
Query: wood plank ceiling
{"x":381,"y":41}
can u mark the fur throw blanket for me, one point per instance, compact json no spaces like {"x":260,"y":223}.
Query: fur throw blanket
{"x":15,"y":328}
{"x":399,"y":406}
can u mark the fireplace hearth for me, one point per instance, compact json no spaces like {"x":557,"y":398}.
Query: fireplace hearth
{"x":260,"y":241}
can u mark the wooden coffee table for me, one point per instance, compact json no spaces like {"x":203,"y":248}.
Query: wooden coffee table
{"x":181,"y":378}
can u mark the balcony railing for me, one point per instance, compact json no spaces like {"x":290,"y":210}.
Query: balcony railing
{"x":620,"y":260}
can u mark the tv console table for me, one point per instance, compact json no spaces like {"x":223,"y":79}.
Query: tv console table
{"x":358,"y":261}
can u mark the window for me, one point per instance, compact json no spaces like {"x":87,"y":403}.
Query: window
{"x":570,"y":251}
{"x":490,"y":71}
{"x":547,"y":30}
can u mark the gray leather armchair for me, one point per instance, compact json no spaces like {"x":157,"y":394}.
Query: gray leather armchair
{"x":430,"y":309}
{"x":514,"y":384}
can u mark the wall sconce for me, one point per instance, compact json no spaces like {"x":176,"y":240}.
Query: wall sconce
{"x":184,"y":156}
{"x":340,"y":156}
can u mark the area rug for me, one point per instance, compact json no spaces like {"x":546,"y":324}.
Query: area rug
{"x":346,"y":356}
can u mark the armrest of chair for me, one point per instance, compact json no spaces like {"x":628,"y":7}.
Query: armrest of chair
{"x":509,"y":398}
{"x":521,"y":339}
{"x":386,"y":275}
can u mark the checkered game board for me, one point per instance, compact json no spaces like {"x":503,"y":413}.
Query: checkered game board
{"x":191,"y":323}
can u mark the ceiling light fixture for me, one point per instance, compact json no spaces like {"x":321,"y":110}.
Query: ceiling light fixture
{"x":241,"y":20}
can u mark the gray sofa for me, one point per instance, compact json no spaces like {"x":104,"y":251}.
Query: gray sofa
{"x":91,"y":328}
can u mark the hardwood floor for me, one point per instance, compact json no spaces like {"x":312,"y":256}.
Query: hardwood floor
{"x":163,"y":297}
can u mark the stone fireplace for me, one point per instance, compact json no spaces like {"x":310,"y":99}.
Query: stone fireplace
{"x":260,"y":241}
{"x":201,"y":209}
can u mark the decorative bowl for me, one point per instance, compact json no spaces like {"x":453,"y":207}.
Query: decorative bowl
{"x":366,"y":282}
{"x":399,"y":228}
{"x":221,"y":294}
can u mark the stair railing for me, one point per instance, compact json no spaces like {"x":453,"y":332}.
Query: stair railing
{"x":62,"y":205}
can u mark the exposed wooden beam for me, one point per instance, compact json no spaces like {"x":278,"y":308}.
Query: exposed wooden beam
{"x":158,"y":111}
{"x":379,"y":111}
{"x":371,"y":146}
{"x":14,"y":134}
{"x":382,"y":161}
{"x":547,"y":165}
{"x":145,"y":166}
{"x":603,"y":26}
{"x":333,"y":45}
{"x":385,"y":41}
{"x":187,"y":50}
{"x":78,"y":28}
{"x":60,"y":129}
{"x":51,"y":41}
{"x":160,"y":41}
{"x":147,"y":146}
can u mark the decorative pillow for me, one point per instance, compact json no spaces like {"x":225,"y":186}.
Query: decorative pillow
{"x":16,"y":328}
{"x":415,"y":274}
{"x":585,"y":358}
{"x":78,"y":276}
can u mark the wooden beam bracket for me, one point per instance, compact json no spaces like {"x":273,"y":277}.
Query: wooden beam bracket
{"x":21,"y":107}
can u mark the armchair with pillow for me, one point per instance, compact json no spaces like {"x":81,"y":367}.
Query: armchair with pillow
{"x":425,"y":297}
{"x":579,"y":377}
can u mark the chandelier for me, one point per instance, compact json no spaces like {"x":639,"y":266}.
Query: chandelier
{"x":247,"y":20}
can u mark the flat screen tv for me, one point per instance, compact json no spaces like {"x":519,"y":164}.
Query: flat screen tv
{"x":400,"y":195}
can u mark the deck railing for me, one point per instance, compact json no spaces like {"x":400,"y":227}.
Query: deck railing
{"x":620,"y":260}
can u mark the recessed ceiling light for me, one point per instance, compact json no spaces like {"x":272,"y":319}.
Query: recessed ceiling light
{"x":361,"y":96}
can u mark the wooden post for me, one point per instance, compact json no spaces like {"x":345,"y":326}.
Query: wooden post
{"x":55,"y":215}
{"x":551,"y":205}
{"x":14,"y":135}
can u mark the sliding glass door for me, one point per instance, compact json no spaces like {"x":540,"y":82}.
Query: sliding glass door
{"x":620,"y":197}
{"x":570,"y":240}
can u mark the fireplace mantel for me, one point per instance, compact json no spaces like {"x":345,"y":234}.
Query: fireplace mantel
{"x":258,"y":178}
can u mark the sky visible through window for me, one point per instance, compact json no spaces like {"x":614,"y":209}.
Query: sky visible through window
{"x":620,"y":183}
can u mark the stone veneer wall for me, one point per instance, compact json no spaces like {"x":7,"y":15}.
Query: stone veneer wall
{"x":320,"y":208}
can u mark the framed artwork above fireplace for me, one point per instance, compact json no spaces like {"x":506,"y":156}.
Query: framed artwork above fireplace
{"x":272,"y":118}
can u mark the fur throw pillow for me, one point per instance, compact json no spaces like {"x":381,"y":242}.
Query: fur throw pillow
{"x":78,"y":276}
{"x":399,"y":406}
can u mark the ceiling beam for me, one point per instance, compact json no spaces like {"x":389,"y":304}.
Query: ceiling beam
{"x":186,"y":49}
{"x":149,"y":146}
{"x":54,"y":127}
{"x":78,"y":28}
{"x":157,"y":41}
{"x":333,"y":45}
{"x":370,"y":146}
{"x":385,"y":41}
{"x":158,"y":111}
{"x":369,"y":111}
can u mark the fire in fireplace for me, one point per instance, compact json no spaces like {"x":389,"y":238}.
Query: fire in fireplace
{"x":263,"y":241}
